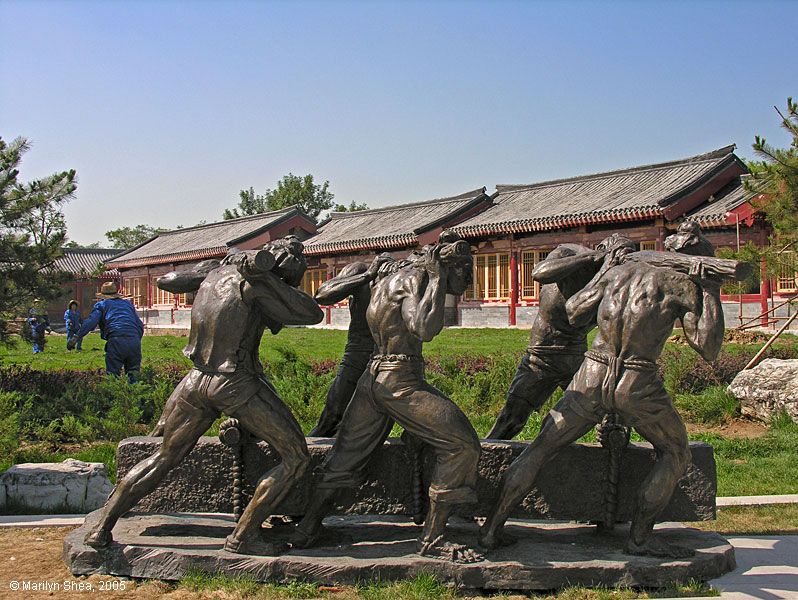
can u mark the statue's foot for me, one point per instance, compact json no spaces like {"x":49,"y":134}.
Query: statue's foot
{"x":254,"y":546}
{"x":497,"y":539}
{"x":655,"y":546}
{"x":303,"y":539}
{"x":449,"y":551}
{"x":98,"y":537}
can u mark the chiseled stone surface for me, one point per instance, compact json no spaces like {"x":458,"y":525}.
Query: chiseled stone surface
{"x":768,"y":389}
{"x":569,"y":487}
{"x":361,"y":549}
{"x":70,"y":486}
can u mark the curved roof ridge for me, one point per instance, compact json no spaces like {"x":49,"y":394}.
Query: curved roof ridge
{"x":707,"y":156}
{"x":473,"y":193}
{"x":271,"y":213}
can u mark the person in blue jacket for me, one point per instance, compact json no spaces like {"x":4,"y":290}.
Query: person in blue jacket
{"x":121,"y":329}
{"x":39,"y":324}
{"x":73,"y":320}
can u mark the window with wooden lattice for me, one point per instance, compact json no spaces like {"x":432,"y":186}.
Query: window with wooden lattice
{"x":787,"y":278}
{"x":530,"y":289}
{"x":649,"y":245}
{"x":491,"y":277}
{"x":313,"y":279}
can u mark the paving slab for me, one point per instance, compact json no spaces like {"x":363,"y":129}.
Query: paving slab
{"x":756,"y":500}
{"x":767,"y":569}
{"x":357,"y":549}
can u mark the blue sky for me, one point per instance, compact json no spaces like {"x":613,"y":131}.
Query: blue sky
{"x":167,"y":109}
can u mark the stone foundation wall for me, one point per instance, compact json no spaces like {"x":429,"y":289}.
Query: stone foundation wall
{"x":569,"y":487}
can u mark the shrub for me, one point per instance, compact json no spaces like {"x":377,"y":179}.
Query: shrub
{"x":9,"y":425}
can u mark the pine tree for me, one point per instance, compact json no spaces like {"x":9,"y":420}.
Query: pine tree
{"x":32,"y":231}
{"x":775,"y":179}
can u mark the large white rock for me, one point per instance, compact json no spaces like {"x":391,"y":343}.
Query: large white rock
{"x":72,"y":486}
{"x":768,"y":389}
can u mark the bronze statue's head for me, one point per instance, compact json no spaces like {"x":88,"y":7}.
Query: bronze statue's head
{"x":290,"y":263}
{"x":455,"y":253}
{"x":688,"y":239}
{"x":616,"y":240}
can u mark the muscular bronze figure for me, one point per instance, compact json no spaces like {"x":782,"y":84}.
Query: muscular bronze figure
{"x":352,"y":282}
{"x":556,"y":347}
{"x":635,"y":305}
{"x":406,"y":310}
{"x":247,"y":293}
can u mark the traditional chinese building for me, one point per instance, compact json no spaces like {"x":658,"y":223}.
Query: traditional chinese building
{"x":361,"y":235}
{"x":182,"y":248}
{"x":87,"y":270}
{"x":525,"y":222}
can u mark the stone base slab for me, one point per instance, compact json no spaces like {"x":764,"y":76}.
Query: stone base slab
{"x":569,"y":487}
{"x":360,"y":549}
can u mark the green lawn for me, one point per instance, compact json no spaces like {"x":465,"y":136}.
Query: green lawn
{"x":472,"y":366}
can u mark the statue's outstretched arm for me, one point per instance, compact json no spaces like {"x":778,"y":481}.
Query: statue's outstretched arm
{"x":183,"y":282}
{"x":343,"y":285}
{"x":561,"y":262}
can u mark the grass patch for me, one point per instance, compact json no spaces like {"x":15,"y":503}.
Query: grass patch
{"x":772,"y":519}
{"x":422,"y":587}
{"x":754,"y":466}
{"x":714,"y":406}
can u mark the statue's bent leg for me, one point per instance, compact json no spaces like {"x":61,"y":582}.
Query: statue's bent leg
{"x":528,"y":391}
{"x":666,"y":432}
{"x":363,"y":429}
{"x":338,"y":397}
{"x":266,"y":417}
{"x":434,"y":419}
{"x":563,"y":426}
{"x":185,"y":425}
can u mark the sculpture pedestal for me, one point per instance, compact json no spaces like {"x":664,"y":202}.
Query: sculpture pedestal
{"x":360,"y":549}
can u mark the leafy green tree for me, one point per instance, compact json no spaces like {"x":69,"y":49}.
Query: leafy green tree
{"x":74,"y":244}
{"x":310,"y":197}
{"x":353,"y":207}
{"x":32,"y":231}
{"x":127,"y":237}
{"x":775,"y":177}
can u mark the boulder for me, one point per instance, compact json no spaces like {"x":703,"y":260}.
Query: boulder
{"x":72,"y":486}
{"x":768,"y":389}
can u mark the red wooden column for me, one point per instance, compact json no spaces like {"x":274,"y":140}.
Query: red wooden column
{"x":764,"y":293}
{"x":513,"y":286}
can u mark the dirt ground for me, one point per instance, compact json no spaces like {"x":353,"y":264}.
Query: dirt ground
{"x":34,"y":555}
{"x":737,"y":428}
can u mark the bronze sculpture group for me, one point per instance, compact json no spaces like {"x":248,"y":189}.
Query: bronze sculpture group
{"x":633,"y":298}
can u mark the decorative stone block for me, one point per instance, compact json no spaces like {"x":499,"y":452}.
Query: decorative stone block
{"x":71,"y":486}
{"x":569,"y":487}
{"x":768,"y":389}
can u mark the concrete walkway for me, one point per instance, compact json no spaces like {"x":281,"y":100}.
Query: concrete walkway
{"x":756,"y":500}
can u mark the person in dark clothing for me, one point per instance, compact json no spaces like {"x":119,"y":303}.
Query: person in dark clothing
{"x":121,"y":329}
{"x":353,"y":282}
{"x":73,"y":320}
{"x":39,"y":324}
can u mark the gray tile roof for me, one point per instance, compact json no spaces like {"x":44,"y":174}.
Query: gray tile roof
{"x":628,"y":194}
{"x":389,"y":227}
{"x":81,"y":262}
{"x":202,"y":241}
{"x":713,"y":212}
